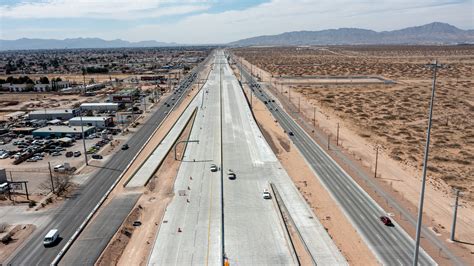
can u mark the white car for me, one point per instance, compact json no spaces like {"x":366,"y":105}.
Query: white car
{"x":4,"y":156}
{"x":266,"y":194}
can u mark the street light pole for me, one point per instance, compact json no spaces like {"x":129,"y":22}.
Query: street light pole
{"x":434,"y":66}
{"x":453,"y":225}
{"x":83,"y":136}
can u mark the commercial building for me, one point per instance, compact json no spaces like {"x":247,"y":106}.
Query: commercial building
{"x":51,"y":114}
{"x":93,"y":121}
{"x":63,"y":131}
{"x":99,"y":106}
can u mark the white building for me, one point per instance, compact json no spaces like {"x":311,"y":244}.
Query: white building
{"x":99,"y":106}
{"x":92,"y":121}
{"x":50,"y":114}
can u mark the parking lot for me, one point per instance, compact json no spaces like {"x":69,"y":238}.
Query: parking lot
{"x":45,"y":152}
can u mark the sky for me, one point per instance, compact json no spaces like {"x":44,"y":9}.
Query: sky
{"x":217,"y":21}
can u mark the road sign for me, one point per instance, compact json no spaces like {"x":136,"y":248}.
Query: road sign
{"x":16,"y":186}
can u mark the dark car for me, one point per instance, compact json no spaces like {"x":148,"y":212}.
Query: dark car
{"x":69,"y":154}
{"x":291,"y":133}
{"x":97,"y":156}
{"x":386,"y":221}
{"x":125,"y":147}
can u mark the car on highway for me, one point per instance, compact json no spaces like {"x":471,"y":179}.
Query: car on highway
{"x":291,"y":133}
{"x":97,"y":156}
{"x":213,"y":168}
{"x":266,"y":194}
{"x":386,"y":221}
{"x":125,"y":147}
{"x":51,"y":237}
{"x":231,"y":175}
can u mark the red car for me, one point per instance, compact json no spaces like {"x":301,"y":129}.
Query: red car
{"x":385,"y":220}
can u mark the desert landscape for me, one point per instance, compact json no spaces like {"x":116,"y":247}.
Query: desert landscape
{"x":393,"y":116}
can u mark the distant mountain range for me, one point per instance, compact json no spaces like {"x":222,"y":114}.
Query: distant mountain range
{"x":31,"y":44}
{"x":433,"y":33}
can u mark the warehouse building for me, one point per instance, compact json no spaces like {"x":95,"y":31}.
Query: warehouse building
{"x":92,"y":121}
{"x":99,"y":106}
{"x":51,"y":114}
{"x":63,"y":131}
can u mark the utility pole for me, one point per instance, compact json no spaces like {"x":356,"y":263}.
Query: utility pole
{"x":314,"y":116}
{"x":453,"y":226}
{"x":299,"y":104}
{"x":84,"y":136}
{"x":337,"y":135}
{"x":433,"y":66}
{"x":376,"y":160}
{"x":51,"y":177}
{"x":329,"y":137}
{"x":240,"y":73}
{"x":251,"y":103}
{"x":289,"y":94}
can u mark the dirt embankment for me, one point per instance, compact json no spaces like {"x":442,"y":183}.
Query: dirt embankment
{"x":12,"y":238}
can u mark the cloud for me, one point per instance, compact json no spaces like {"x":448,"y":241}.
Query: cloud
{"x":194,"y":22}
{"x":103,"y":9}
{"x":280,"y":16}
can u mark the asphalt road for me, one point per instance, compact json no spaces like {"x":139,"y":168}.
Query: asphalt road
{"x":68,"y":217}
{"x":391,"y":245}
{"x":100,"y":231}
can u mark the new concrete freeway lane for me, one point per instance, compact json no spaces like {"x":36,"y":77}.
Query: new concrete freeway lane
{"x":72,"y":213}
{"x":212,"y":215}
{"x":191,"y":229}
{"x":391,"y":245}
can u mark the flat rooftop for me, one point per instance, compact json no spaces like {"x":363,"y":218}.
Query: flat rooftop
{"x":53,"y":111}
{"x":62,"y":129}
{"x":90,"y":118}
{"x":99,"y":104}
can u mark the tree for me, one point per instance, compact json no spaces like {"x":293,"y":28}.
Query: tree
{"x":44,"y":80}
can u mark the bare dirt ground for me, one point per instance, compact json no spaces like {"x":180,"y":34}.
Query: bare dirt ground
{"x":394,"y":118}
{"x":10,"y":102}
{"x":19,"y":234}
{"x":324,"y":207}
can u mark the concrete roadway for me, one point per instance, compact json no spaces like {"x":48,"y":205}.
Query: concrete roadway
{"x":253,"y":235}
{"x":253,"y":232}
{"x":72,"y":213}
{"x":391,"y":245}
{"x":195,"y":208}
{"x":149,"y":167}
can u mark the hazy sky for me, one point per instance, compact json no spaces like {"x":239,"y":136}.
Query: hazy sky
{"x":217,"y":21}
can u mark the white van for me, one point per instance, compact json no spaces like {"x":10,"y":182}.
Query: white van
{"x":51,"y":237}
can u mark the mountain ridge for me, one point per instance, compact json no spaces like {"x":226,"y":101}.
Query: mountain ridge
{"x":432,"y":33}
{"x":76,"y":43}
